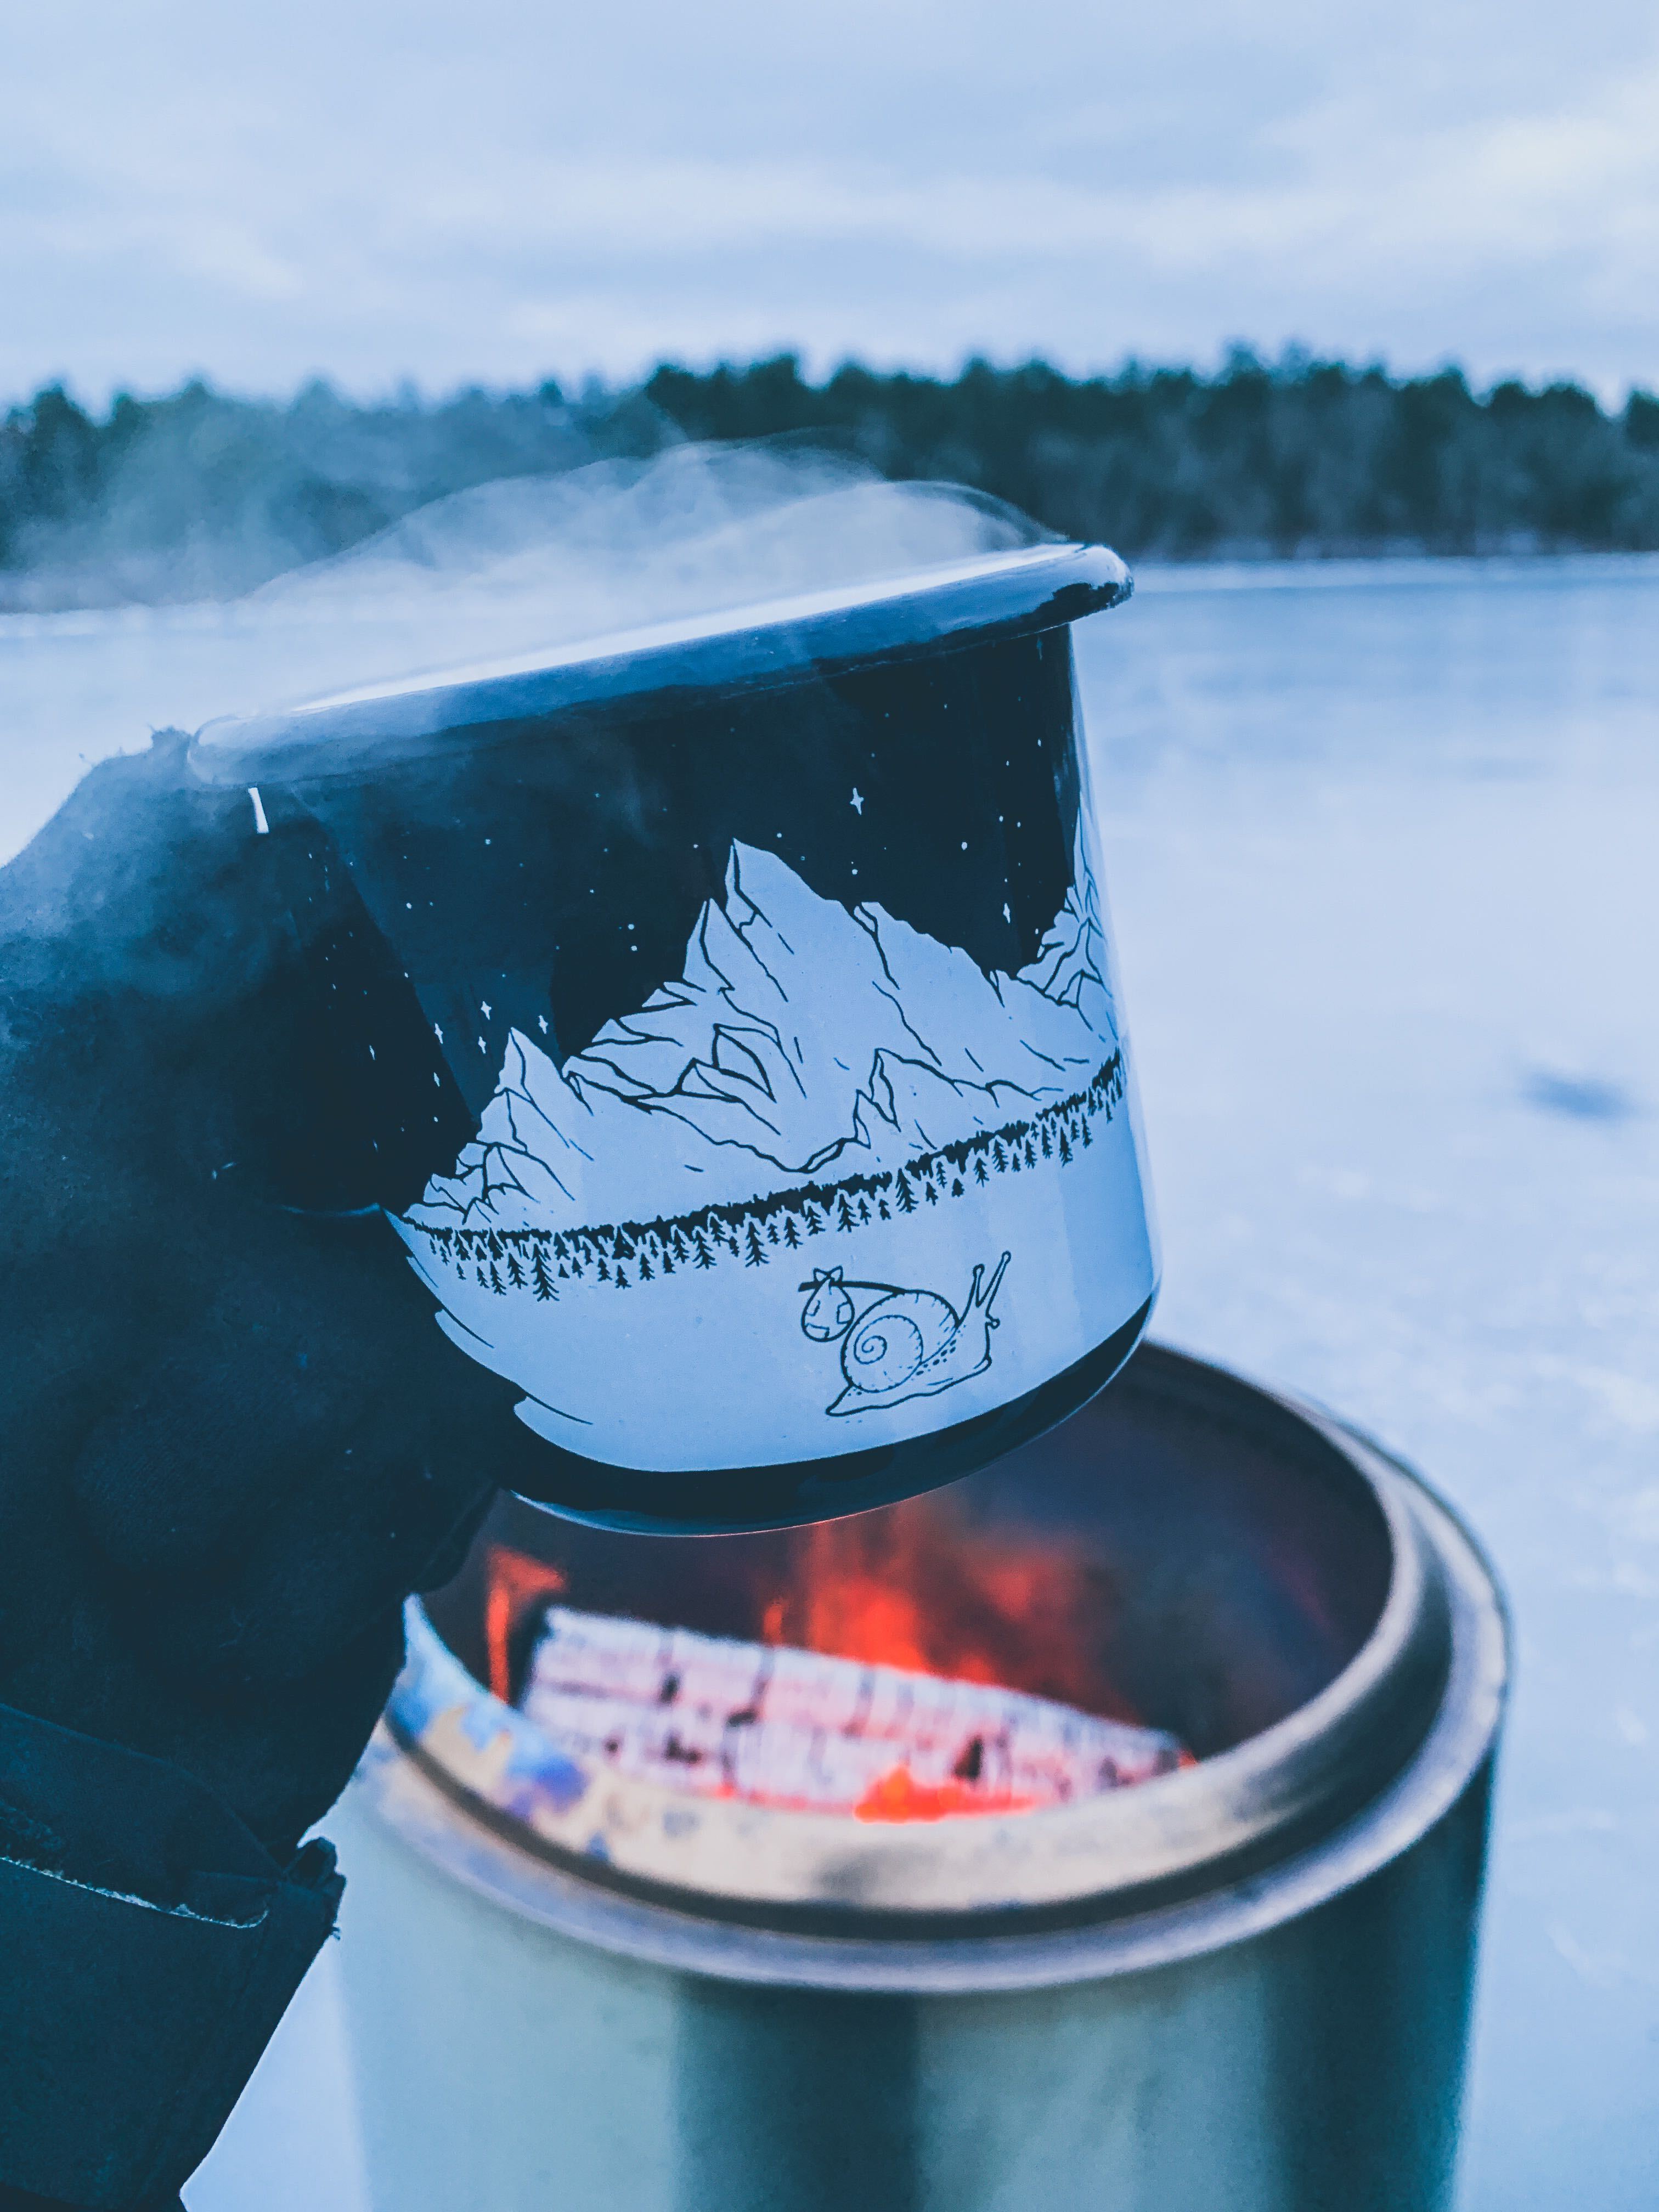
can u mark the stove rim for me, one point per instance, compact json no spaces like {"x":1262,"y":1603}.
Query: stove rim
{"x":1235,"y":1812}
{"x":1450,"y":1760}
{"x":1227,"y":1826}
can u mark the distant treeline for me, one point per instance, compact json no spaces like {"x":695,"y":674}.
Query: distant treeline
{"x":1293,"y":458}
{"x":202,"y":493}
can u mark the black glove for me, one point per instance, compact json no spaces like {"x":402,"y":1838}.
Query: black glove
{"x":234,"y":1440}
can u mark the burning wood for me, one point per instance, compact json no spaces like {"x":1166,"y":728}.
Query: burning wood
{"x":718,"y":1717}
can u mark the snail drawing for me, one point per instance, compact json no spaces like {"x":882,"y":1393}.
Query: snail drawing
{"x":898,"y":1344}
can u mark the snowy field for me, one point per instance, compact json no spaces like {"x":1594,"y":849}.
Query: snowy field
{"x":1383,"y":847}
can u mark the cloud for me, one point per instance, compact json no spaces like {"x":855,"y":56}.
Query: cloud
{"x":510,"y":193}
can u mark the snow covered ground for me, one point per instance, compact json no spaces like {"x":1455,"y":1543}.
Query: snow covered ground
{"x":1384,"y":863}
{"x":1383,"y":860}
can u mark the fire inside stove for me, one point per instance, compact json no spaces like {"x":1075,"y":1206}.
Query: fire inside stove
{"x":1159,"y":1579}
{"x":875,"y":1728}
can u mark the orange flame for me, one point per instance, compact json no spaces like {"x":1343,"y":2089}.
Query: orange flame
{"x":884,"y":1588}
{"x":512,"y":1580}
{"x":895,"y":1589}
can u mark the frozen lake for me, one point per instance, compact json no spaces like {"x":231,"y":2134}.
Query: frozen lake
{"x":1384,"y":874}
{"x":1383,"y":869}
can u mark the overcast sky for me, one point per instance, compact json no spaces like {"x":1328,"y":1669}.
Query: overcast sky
{"x":498,"y":190}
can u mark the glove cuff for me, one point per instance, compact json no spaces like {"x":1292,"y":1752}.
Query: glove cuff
{"x":149,"y":1946}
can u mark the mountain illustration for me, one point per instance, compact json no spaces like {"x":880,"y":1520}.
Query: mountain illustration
{"x":802,"y":1040}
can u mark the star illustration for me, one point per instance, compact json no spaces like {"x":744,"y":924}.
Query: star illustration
{"x":484,"y":1006}
{"x":857,"y":801}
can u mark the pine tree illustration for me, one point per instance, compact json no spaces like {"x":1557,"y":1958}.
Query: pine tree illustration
{"x":1065,"y":1148}
{"x":1047,"y":1142}
{"x":999,"y":1158}
{"x":621,"y":1277}
{"x":844,"y":1214}
{"x":541,"y":1279}
{"x":930,"y":1192}
{"x":864,"y":1211}
{"x":667,"y":1261}
{"x":495,"y":1282}
{"x":884,"y":1209}
{"x":907,"y":1197}
{"x":496,"y":1247}
{"x":1016,"y":1157}
{"x":705,"y":1258}
{"x":645,"y":1275}
{"x":603,"y":1271}
{"x":514,"y":1272}
{"x":790,"y":1234}
{"x":483,"y":1279}
{"x":956,"y":1186}
{"x":814,"y":1221}
{"x":1087,"y":1138}
{"x":771,"y":1232}
{"x":756,"y":1255}
{"x":980,"y":1175}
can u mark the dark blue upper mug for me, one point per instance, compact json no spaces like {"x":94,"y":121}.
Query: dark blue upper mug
{"x":733,"y":1030}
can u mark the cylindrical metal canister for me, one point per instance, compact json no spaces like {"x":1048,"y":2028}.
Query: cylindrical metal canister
{"x":1246,"y":1983}
{"x":726,"y":1021}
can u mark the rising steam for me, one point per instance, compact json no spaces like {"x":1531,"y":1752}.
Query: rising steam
{"x":505,"y":568}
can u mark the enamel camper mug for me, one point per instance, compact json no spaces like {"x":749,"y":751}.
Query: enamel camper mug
{"x":742,"y":1051}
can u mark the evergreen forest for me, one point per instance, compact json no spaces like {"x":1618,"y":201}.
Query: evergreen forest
{"x":202,"y":493}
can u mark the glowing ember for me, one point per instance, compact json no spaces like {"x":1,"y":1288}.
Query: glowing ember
{"x":804,"y":1730}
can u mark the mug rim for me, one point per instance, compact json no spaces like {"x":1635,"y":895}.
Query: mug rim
{"x":756,"y":647}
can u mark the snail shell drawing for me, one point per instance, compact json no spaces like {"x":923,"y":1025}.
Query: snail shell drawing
{"x":898,"y":1344}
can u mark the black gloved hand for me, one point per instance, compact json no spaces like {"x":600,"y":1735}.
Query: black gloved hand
{"x":234,"y":1440}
